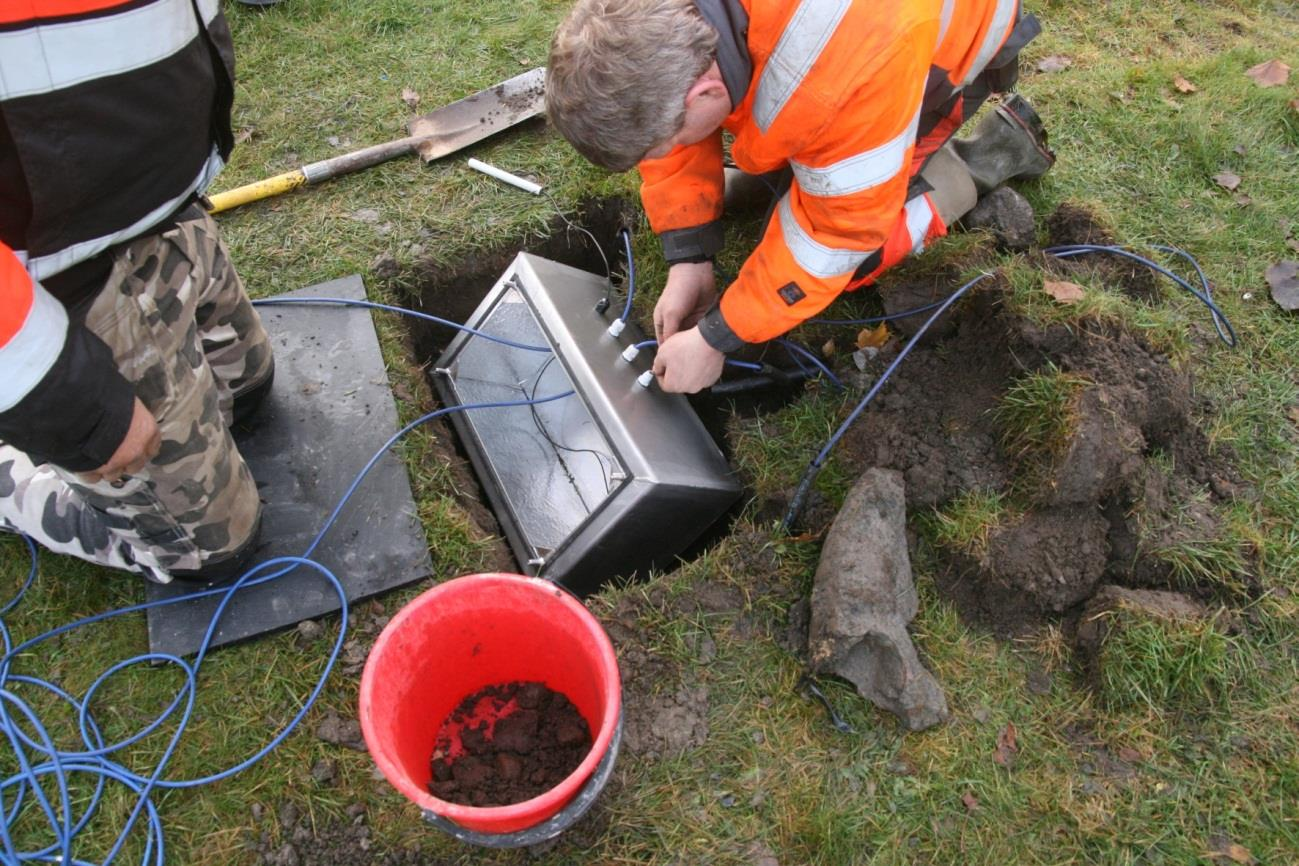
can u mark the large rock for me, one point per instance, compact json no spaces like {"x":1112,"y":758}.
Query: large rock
{"x":863,"y":599}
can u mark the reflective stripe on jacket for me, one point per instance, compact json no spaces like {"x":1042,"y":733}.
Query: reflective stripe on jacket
{"x":837,"y":94}
{"x":113,"y":113}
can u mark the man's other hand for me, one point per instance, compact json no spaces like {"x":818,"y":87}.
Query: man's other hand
{"x":142,"y":443}
{"x":689,"y":293}
{"x":685,"y":363}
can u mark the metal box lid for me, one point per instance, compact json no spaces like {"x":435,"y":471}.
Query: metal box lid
{"x":612,"y":480}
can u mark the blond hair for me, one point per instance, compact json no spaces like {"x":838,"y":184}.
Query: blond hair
{"x":619,"y":73}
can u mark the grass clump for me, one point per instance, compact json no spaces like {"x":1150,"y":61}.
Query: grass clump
{"x":1162,"y":664}
{"x":1039,"y":412}
{"x":966,"y":523}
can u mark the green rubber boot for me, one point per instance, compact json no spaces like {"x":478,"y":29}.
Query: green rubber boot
{"x":1008,"y":144}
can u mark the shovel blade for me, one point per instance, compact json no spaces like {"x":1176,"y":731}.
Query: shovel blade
{"x":470,"y":120}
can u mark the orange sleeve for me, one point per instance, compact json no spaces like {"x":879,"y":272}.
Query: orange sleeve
{"x":684,"y":188}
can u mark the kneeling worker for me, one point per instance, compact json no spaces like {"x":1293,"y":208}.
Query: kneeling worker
{"x":855,"y":100}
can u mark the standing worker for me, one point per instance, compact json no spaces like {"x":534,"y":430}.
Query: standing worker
{"x":854,"y":100}
{"x":127,"y":342}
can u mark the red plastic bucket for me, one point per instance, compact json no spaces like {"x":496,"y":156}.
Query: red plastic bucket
{"x":464,"y":635}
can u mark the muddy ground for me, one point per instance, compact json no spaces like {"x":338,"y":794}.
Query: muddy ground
{"x":1135,"y":478}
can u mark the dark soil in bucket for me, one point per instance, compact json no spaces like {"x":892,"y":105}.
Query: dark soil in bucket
{"x":507,"y":743}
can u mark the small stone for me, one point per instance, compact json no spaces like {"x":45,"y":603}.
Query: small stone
{"x":1039,"y":682}
{"x":384,"y":266}
{"x":308,"y":631}
{"x":324,"y":771}
{"x":286,"y":856}
{"x":259,"y":811}
{"x":288,"y":816}
{"x":759,"y":738}
{"x":1009,"y":217}
{"x":727,"y":800}
{"x":356,"y":810}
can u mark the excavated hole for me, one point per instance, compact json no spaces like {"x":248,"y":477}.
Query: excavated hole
{"x":454,"y":293}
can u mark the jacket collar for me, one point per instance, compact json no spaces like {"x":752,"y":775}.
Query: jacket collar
{"x":731,"y":22}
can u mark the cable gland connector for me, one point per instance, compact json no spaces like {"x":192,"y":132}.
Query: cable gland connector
{"x":615,"y":329}
{"x":644,"y":379}
{"x":629,"y":354}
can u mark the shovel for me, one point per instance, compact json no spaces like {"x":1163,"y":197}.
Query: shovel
{"x":432,"y":136}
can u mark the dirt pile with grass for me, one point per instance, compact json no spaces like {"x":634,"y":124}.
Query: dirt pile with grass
{"x":1053,"y":459}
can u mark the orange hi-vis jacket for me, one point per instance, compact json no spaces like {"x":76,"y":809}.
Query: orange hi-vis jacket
{"x":837,"y":93}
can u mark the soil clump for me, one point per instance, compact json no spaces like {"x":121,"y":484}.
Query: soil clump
{"x":1129,"y":494}
{"x":507,"y":743}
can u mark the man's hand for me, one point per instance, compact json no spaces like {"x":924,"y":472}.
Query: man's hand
{"x":685,"y":363}
{"x":142,"y":443}
{"x":688,"y":294}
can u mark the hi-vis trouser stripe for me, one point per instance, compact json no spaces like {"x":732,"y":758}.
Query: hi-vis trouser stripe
{"x":807,"y":33}
{"x":920,"y":215}
{"x":861,"y":172}
{"x":51,"y":57}
{"x":813,"y":256}
{"x":44,"y":266}
{"x":31,"y":334}
{"x":996,"y":35}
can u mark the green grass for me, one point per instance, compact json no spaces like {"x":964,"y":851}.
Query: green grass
{"x":1163,"y":665}
{"x":1131,"y":147}
{"x":1038,"y":412}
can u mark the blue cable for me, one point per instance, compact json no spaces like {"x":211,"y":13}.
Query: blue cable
{"x":350,"y":302}
{"x":743,"y":365}
{"x":631,"y":273}
{"x":93,"y":760}
{"x":794,"y":350}
{"x":805,"y":484}
{"x":1226,"y":333}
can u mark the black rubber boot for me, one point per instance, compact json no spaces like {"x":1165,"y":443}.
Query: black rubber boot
{"x":247,"y":403}
{"x":1008,"y":144}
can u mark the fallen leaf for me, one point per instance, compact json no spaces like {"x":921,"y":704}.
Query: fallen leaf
{"x":1271,"y":73}
{"x":410,"y":97}
{"x":1293,"y":243}
{"x":971,"y":802}
{"x":1233,"y":852}
{"x":829,"y":348}
{"x":1283,"y":278}
{"x":1240,"y":150}
{"x":1183,"y":86}
{"x":1007,"y":746}
{"x":1131,"y":755}
{"x":1054,"y":63}
{"x":1243,"y":200}
{"x":1294,"y":415}
{"x":1065,"y":293}
{"x":873,"y":338}
{"x":1228,"y":180}
{"x":245,"y":134}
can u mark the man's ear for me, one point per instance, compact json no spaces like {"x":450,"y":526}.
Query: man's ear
{"x":708,"y":86}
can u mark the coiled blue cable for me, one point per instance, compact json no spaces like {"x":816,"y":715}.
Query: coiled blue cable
{"x":37,"y":756}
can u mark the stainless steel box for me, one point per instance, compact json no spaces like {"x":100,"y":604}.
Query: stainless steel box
{"x":612,"y":480}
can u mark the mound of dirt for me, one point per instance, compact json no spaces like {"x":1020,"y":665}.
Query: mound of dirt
{"x":1133,"y":479}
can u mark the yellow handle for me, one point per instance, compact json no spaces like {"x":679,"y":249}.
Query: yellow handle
{"x":259,"y":190}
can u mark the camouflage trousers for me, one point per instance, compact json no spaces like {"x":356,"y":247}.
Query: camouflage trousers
{"x":182,"y":330}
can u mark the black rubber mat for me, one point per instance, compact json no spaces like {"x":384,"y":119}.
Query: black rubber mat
{"x":329,"y":411}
